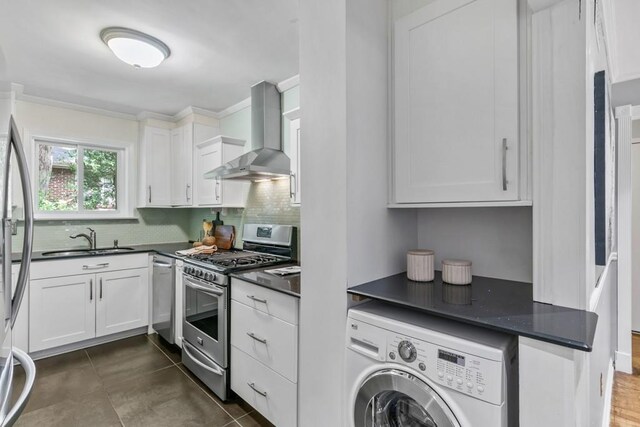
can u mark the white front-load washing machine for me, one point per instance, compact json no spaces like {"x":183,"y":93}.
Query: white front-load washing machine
{"x":406,"y":368}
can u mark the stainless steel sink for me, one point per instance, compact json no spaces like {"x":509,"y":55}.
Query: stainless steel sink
{"x":111,"y":250}
{"x":77,"y":252}
{"x":68,"y":252}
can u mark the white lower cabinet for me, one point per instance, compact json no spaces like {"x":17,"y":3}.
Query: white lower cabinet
{"x":21,"y":327}
{"x":61,"y":311}
{"x":264,"y":351}
{"x":68,"y":309}
{"x":275,"y":397}
{"x":122,"y":301}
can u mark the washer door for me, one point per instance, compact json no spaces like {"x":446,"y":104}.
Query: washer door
{"x":393,"y":398}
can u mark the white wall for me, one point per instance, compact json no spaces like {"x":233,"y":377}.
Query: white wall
{"x":323,"y":217}
{"x":378,"y":237}
{"x":349,"y":235}
{"x":46,"y":120}
{"x":498,"y":241}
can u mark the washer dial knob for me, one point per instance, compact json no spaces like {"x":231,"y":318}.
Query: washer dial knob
{"x":407,"y":351}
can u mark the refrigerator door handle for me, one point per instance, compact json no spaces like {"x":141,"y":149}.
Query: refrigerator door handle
{"x":30,"y":374}
{"x":27,"y":243}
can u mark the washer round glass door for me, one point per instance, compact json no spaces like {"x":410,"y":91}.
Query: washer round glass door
{"x":393,"y":398}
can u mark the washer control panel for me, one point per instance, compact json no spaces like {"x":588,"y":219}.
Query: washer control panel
{"x":465,"y":373}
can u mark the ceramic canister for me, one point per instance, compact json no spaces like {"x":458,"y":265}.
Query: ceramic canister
{"x":456,"y":271}
{"x":420,"y":264}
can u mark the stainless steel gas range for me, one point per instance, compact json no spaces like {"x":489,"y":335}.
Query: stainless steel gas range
{"x":205,"y":345}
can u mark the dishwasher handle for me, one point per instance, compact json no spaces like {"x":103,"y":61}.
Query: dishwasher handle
{"x":162,"y":264}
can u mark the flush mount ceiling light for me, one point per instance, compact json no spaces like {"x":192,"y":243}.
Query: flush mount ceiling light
{"x":135,"y":48}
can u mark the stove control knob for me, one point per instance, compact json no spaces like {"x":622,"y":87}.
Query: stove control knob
{"x":187,"y":270}
{"x":407,"y":351}
{"x":199,"y":273}
{"x":209,"y":277}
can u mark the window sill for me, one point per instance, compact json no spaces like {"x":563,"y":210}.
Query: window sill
{"x":82,"y":217}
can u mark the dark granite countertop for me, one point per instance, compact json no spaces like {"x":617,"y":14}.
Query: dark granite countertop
{"x":287,"y":284}
{"x":168,"y":249}
{"x":496,"y":304}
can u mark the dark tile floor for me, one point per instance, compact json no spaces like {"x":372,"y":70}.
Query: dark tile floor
{"x":137,"y":381}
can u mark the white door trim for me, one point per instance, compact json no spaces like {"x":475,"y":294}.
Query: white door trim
{"x":624,"y":116}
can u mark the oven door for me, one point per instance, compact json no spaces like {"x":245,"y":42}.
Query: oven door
{"x":205,"y":318}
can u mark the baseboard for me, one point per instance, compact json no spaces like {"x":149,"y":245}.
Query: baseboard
{"x":608,"y":395}
{"x":87,"y":343}
{"x":623,"y":362}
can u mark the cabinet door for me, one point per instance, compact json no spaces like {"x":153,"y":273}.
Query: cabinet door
{"x":158,"y":164}
{"x":208,"y":191}
{"x":21,"y":327}
{"x":61,"y":311}
{"x":122,"y":301}
{"x":456,"y":102}
{"x":181,"y":159}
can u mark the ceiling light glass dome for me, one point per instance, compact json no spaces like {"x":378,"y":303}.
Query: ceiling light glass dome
{"x":135,"y":48}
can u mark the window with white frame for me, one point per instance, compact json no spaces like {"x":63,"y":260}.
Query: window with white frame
{"x":76,"y":179}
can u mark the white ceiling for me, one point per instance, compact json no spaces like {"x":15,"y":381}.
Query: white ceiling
{"x":218,"y":49}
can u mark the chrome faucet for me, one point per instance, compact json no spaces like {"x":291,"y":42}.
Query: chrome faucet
{"x":91,"y":237}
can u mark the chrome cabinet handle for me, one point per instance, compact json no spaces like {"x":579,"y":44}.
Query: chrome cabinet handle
{"x":293,"y":188}
{"x":13,"y":140}
{"x":90,"y":289}
{"x":504,"y":164}
{"x":252,"y":335}
{"x":187,"y":192}
{"x":149,"y":194}
{"x":264,"y":301}
{"x":101,"y":288}
{"x":217,"y":188}
{"x":253,"y":387}
{"x":95,"y":266}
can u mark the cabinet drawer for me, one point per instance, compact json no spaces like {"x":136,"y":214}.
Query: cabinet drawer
{"x":271,"y":394}
{"x":275,"y":303}
{"x":274,"y":342}
{"x":90,"y":264}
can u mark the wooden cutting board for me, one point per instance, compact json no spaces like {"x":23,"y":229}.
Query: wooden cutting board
{"x":225,"y":236}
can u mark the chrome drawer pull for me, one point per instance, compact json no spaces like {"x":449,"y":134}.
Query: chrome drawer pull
{"x":253,"y":387}
{"x":252,"y":335}
{"x":264,"y":301}
{"x":95,"y":266}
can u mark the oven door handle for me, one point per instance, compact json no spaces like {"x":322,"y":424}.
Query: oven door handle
{"x":185,"y":347}
{"x":206,"y":290}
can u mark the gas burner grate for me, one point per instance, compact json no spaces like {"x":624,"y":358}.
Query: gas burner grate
{"x":237,"y":259}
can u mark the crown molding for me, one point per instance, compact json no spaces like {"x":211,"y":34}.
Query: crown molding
{"x":235,"y":108}
{"x":17,"y":90}
{"x":71,"y":106}
{"x":289,"y":83}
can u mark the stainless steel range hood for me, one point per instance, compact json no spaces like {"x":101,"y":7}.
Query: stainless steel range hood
{"x":266,"y":159}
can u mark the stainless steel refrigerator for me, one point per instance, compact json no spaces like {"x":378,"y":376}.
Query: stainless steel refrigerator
{"x":11,"y":408}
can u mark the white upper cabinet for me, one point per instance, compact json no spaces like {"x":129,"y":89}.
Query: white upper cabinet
{"x":167,"y":164}
{"x":181,"y":154}
{"x":210,"y":154}
{"x":154,"y":180}
{"x":456,"y":107}
{"x":294,"y":154}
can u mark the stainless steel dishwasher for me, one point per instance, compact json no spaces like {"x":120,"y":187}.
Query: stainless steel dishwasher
{"x":164,"y":296}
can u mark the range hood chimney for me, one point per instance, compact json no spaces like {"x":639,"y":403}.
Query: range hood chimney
{"x":266,"y":158}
